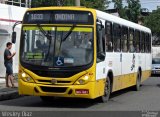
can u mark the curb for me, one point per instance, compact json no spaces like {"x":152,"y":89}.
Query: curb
{"x":9,"y":95}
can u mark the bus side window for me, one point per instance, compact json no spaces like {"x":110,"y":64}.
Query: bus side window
{"x":108,"y":36}
{"x":131,"y":39}
{"x":150,"y":42}
{"x":137,"y":41}
{"x":124,"y":39}
{"x":142,"y":42}
{"x":100,"y":43}
{"x":146,"y":42}
{"x":117,"y":37}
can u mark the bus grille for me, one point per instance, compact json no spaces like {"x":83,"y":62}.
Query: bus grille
{"x":49,"y":81}
{"x":54,"y":74}
{"x":53,"y":89}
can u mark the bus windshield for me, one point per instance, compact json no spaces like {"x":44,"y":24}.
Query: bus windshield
{"x":57,"y":46}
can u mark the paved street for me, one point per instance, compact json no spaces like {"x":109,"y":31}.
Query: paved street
{"x":148,"y":98}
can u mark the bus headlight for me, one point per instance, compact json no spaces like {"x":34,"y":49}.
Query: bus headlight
{"x":83,"y":80}
{"x":26,"y":78}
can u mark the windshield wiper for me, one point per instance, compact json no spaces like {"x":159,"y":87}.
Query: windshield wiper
{"x":65,"y":37}
{"x":48,"y":37}
{"x":44,"y":32}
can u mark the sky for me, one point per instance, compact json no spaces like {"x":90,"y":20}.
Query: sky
{"x":149,"y":4}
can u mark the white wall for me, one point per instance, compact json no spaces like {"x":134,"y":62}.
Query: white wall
{"x":8,"y":16}
{"x":156,"y":52}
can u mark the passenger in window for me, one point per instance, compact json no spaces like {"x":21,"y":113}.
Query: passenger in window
{"x":110,"y":46}
{"x":118,"y":45}
{"x":38,"y":46}
{"x":125,"y":45}
{"x":131,"y":47}
{"x":108,"y":43}
{"x":86,"y":42}
{"x":137,"y":48}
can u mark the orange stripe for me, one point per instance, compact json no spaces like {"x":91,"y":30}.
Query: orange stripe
{"x":8,"y":20}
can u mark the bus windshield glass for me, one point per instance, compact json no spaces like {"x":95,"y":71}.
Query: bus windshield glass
{"x":57,"y":46}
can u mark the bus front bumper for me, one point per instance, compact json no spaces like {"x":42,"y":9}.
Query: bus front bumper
{"x":79,"y":91}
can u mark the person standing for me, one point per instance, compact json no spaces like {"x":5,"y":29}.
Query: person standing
{"x":8,"y":62}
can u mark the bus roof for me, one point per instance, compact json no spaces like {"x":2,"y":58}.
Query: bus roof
{"x":61,"y":8}
{"x":100,"y":14}
{"x":118,"y":20}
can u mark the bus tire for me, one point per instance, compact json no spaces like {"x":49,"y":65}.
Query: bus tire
{"x":138,"y":82}
{"x":107,"y":91}
{"x":47,"y":98}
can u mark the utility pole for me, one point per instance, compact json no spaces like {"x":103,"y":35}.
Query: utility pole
{"x":77,"y":2}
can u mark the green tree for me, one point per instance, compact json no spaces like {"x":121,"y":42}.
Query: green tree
{"x":96,"y":4}
{"x":133,"y":10}
{"x":69,"y":2}
{"x":43,"y":3}
{"x":100,"y":4}
{"x":153,"y":22}
{"x":121,"y":10}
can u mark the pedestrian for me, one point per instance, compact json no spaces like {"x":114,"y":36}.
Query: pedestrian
{"x":8,"y":62}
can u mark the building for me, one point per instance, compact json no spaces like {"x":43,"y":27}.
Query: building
{"x":8,"y":16}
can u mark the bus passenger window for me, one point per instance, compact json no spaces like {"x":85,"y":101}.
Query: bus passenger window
{"x":137,"y":41}
{"x":150,"y":39}
{"x":131,"y":35}
{"x":146,"y":43}
{"x":124,"y":39}
{"x":100,"y":43}
{"x":117,"y":37}
{"x":108,"y":36}
{"x":142,"y":42}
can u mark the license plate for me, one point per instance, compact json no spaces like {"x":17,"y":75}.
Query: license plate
{"x":82,"y":91}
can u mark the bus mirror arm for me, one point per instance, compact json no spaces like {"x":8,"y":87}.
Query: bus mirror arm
{"x":100,"y":22}
{"x":13,"y":32}
{"x":101,"y":55}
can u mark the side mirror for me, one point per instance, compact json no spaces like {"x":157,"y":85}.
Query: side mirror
{"x":14,"y":37}
{"x":101,"y":55}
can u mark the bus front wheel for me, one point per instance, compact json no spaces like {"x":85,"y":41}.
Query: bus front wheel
{"x":107,"y":91}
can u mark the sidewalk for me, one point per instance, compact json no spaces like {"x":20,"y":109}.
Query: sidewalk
{"x":8,"y":93}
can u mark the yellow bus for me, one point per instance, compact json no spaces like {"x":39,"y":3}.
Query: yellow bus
{"x":80,"y":53}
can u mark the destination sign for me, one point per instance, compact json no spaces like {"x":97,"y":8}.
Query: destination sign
{"x":64,"y":17}
{"x":71,"y":17}
{"x":58,"y":17}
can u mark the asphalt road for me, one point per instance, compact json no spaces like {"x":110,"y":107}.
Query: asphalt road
{"x":148,"y":98}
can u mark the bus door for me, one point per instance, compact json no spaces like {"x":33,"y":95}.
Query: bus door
{"x":101,"y":63}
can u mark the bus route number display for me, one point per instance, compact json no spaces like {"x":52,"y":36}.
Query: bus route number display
{"x":36,"y":16}
{"x":40,"y":17}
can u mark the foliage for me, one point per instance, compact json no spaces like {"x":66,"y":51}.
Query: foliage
{"x":97,"y":4}
{"x":43,"y":3}
{"x":130,"y":12}
{"x":153,"y":22}
{"x":121,"y":10}
{"x":133,"y":10}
